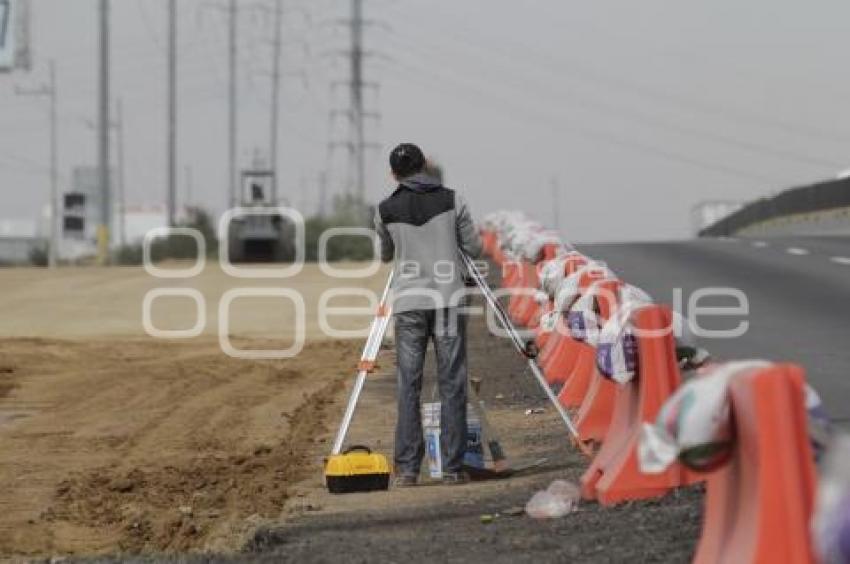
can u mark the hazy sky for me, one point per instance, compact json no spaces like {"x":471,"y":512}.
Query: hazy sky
{"x":639,"y":109}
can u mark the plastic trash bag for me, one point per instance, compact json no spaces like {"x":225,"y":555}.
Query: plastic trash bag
{"x":831,"y":520}
{"x":616,"y":351}
{"x":693,"y":425}
{"x":559,"y":499}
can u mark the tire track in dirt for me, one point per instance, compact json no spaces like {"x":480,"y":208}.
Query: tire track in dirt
{"x":141,"y":502}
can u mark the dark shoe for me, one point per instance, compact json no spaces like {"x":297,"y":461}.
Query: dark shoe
{"x":405,"y":481}
{"x":455,"y":478}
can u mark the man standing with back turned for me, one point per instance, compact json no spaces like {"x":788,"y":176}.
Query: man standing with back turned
{"x":424,"y":226}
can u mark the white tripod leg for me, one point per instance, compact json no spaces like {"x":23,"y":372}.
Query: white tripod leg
{"x":504,"y":320}
{"x":377,"y":331}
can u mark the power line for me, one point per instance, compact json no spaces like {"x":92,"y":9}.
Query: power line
{"x":486,"y":96}
{"x":508,"y":47}
{"x":642,"y":117}
{"x":607,"y":109}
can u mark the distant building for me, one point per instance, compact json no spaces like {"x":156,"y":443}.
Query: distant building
{"x":139,"y":219}
{"x":18,"y":241}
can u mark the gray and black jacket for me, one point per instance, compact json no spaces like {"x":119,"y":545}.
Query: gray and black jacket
{"x":423,"y":225}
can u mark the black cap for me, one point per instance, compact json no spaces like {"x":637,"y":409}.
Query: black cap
{"x":406,"y":159}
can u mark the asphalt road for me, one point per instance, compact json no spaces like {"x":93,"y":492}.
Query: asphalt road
{"x":798,"y":291}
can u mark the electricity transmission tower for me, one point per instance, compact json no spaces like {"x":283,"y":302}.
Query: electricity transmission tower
{"x":356,"y":112}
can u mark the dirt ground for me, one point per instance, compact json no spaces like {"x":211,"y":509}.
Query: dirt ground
{"x":117,"y":447}
{"x":140,"y":446}
{"x":112,"y":441}
{"x":107,"y":302}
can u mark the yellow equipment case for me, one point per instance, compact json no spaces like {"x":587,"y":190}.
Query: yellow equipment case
{"x":357,"y":469}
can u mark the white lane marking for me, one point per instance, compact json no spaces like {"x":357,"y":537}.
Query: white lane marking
{"x":841,"y":260}
{"x":796,"y":251}
{"x":759,"y":244}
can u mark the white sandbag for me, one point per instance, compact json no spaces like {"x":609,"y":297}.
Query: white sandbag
{"x":831,"y":520}
{"x":533,"y":248}
{"x":693,"y":425}
{"x":820,"y":425}
{"x":549,"y":320}
{"x":616,"y":351}
{"x":569,"y":289}
{"x":551,"y":273}
{"x":582,"y":319}
{"x":633,"y":296}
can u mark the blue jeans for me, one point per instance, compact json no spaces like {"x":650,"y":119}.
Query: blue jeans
{"x":413,"y":329}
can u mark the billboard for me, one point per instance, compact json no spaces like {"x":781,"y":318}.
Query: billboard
{"x":14,"y":35}
{"x":257,"y":187}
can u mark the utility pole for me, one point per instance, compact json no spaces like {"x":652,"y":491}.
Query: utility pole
{"x":232,"y":102}
{"x":275,"y":110}
{"x":53,"y":251}
{"x":556,"y":203}
{"x":187,"y":170}
{"x":172,"y":113}
{"x":356,"y":78}
{"x":103,"y":232}
{"x":122,"y":189}
{"x":323,"y":193}
{"x":51,"y":92}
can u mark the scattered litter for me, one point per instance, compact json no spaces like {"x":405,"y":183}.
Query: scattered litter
{"x":559,"y":499}
{"x":535,"y":411}
{"x":487,"y":518}
{"x":514,"y":511}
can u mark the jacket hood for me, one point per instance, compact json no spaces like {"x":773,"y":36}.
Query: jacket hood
{"x":420,"y":182}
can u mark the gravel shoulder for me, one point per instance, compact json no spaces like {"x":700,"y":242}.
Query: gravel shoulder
{"x":443,"y":523}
